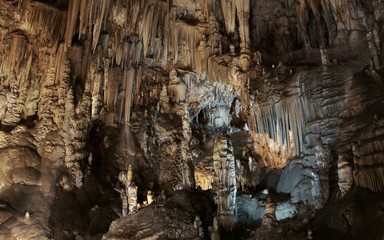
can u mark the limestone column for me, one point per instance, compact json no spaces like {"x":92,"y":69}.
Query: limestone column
{"x":225,"y":182}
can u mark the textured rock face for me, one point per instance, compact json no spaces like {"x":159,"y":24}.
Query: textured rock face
{"x":106,"y":105}
{"x":173,"y":217}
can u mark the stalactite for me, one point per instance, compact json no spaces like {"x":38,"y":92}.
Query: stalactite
{"x":137,"y":85}
{"x":97,"y":98}
{"x":130,"y":78}
{"x":242,"y":7}
{"x":201,"y":59}
{"x":101,"y":9}
{"x":83,"y":16}
{"x":111,"y":94}
{"x":19,"y":55}
{"x":72,"y":17}
{"x":189,"y":34}
{"x":229,"y":12}
{"x":146,"y":29}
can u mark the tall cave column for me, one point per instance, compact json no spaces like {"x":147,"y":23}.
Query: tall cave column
{"x":187,"y":168}
{"x":225,"y":182}
{"x":320,"y":176}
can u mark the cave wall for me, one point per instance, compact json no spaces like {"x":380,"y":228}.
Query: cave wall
{"x":90,"y":87}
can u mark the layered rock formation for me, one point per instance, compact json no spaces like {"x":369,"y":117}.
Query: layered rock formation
{"x":271,"y":109}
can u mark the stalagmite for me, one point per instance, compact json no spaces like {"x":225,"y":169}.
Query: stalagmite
{"x":325,"y":57}
{"x":225,"y":182}
{"x":150,"y":197}
{"x":214,"y":230}
{"x":128,"y":192}
{"x":176,"y":88}
{"x":132,"y":198}
{"x":188,"y":175}
{"x":345,"y":176}
{"x":320,"y":178}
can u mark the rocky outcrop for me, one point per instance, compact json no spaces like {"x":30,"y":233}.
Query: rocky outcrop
{"x":178,"y":216}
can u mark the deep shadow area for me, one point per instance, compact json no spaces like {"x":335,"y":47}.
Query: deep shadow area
{"x":360,"y":215}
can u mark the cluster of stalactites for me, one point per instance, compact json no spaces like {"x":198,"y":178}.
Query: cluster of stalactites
{"x":239,"y":8}
{"x":83,"y":14}
{"x":279,"y":120}
{"x":157,"y":35}
{"x":46,"y":21}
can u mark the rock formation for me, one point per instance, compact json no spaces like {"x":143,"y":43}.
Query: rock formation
{"x":219,"y":117}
